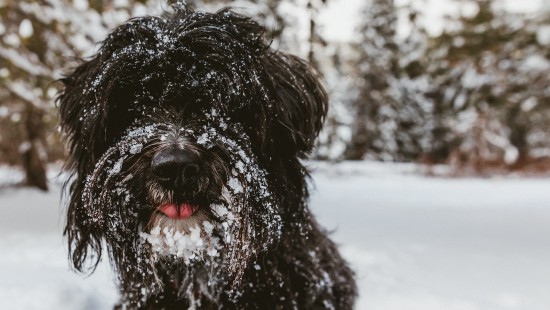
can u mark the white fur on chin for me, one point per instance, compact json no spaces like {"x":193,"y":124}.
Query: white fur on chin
{"x":197,"y":238}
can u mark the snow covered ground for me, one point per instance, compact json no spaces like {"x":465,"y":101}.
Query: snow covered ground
{"x":415,"y":242}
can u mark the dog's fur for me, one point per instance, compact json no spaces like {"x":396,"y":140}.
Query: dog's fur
{"x":209,"y":84}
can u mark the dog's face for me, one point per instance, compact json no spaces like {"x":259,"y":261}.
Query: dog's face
{"x":184,"y":134}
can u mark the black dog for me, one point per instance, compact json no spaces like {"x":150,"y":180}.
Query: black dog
{"x":186,"y":133}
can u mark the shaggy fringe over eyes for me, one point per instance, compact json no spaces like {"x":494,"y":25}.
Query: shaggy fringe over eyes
{"x":203,"y":59}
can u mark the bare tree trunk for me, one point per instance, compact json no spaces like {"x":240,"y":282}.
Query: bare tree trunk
{"x":518,"y":134}
{"x":33,"y":151}
{"x":361,"y":140}
{"x":314,"y":37}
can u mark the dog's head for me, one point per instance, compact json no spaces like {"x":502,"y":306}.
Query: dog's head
{"x":184,"y":134}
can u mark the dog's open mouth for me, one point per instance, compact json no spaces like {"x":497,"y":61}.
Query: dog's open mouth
{"x":178,"y":211}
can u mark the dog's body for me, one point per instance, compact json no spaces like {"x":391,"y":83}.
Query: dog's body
{"x":185,"y":134}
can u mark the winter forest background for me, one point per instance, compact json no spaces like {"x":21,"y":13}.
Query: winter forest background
{"x":420,"y":90}
{"x":473,"y":94}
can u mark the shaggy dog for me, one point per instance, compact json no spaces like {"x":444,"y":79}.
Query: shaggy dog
{"x":185,"y":135}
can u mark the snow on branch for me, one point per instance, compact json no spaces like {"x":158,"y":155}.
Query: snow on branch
{"x":34,"y":68}
{"x":22,"y":91}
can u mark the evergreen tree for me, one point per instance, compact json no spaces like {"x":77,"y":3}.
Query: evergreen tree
{"x":419,"y":128}
{"x":373,"y":128}
{"x":338,"y":64}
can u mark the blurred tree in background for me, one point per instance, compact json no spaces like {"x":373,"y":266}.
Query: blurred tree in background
{"x":38,"y":39}
{"x":476,"y":96}
{"x":490,"y":77}
{"x":374,"y":124}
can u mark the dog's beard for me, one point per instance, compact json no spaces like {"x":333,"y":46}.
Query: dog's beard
{"x":214,"y":246}
{"x":196,"y":238}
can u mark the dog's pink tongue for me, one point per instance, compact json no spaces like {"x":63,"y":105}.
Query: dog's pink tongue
{"x":173,"y":211}
{"x":170,"y":209}
{"x":186,"y":210}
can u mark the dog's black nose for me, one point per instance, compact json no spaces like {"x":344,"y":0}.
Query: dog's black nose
{"x":174,"y":167}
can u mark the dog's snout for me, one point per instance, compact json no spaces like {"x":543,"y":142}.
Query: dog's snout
{"x":174,"y":167}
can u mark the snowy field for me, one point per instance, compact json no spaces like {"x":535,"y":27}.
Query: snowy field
{"x":416,"y":243}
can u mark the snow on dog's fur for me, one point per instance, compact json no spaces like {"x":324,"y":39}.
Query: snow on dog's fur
{"x":234,"y":231}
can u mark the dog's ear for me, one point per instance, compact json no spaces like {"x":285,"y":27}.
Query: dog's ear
{"x":80,"y":122}
{"x":83,"y":235}
{"x":78,"y":113}
{"x":300,"y":103}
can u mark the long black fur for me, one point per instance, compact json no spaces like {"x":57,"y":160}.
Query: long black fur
{"x":192,"y":77}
